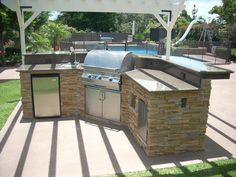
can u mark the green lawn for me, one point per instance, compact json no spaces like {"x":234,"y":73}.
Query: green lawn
{"x":220,"y":168}
{"x":233,"y":52}
{"x":9,"y":97}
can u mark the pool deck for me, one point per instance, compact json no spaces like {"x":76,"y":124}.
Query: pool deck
{"x":73,"y":147}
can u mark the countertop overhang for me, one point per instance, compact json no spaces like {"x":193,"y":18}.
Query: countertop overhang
{"x":49,"y":67}
{"x":158,"y":81}
{"x":203,"y":70}
{"x":55,"y":53}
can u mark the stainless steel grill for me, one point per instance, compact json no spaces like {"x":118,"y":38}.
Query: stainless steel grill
{"x":101,"y":76}
{"x":103,"y":68}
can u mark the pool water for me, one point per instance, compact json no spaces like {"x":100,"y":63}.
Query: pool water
{"x":135,"y":50}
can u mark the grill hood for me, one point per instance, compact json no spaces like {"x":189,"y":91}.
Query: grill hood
{"x":112,"y":60}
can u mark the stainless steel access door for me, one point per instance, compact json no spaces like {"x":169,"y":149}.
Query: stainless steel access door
{"x":142,"y":120}
{"x":111,"y":105}
{"x":93,"y":102}
{"x":46,"y":95}
{"x":103,"y":103}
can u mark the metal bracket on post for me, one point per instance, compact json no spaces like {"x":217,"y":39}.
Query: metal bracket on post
{"x":168,"y":37}
{"x":169,"y":15}
{"x":170,"y":24}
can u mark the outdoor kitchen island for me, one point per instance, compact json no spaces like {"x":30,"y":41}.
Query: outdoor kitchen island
{"x":164,"y":103}
{"x":166,"y":115}
{"x":71,"y":94}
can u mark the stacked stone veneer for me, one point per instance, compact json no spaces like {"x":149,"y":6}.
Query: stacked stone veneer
{"x":71,"y":91}
{"x":170,"y":128}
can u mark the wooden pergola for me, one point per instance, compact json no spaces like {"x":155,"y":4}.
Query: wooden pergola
{"x":169,"y":8}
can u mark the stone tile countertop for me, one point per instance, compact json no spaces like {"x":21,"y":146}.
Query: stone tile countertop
{"x":156,"y":80}
{"x":49,"y":67}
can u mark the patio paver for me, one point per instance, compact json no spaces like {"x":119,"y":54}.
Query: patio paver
{"x":9,"y":73}
{"x":73,"y":147}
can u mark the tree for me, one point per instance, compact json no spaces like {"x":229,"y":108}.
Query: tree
{"x":142,"y":22}
{"x":49,"y":35}
{"x":39,"y":21}
{"x":89,"y":21}
{"x":8,"y":23}
{"x":226,"y":12}
{"x":9,"y":28}
{"x":182,"y":23}
{"x":185,"y":15}
{"x":38,"y":42}
{"x":227,"y":18}
{"x":56,"y":31}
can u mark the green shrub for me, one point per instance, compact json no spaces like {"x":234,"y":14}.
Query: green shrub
{"x":233,"y":52}
{"x":10,"y":51}
{"x":2,"y":59}
{"x":139,"y":37}
{"x":10,"y":60}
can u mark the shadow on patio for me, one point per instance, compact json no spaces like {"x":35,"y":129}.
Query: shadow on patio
{"x":86,"y":148}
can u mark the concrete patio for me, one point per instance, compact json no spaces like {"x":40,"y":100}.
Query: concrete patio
{"x":73,"y":147}
{"x":9,"y":73}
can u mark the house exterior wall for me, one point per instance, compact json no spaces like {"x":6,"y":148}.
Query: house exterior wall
{"x":171,"y":129}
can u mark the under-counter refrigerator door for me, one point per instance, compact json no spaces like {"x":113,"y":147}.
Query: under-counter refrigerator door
{"x":46,"y":95}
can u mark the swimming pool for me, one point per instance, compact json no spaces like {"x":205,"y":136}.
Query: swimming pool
{"x":141,"y":50}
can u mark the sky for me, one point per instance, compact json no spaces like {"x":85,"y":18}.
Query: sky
{"x":203,"y":6}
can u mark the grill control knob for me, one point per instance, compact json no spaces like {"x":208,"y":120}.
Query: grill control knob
{"x":99,"y":77}
{"x":110,"y":79}
{"x":89,"y":76}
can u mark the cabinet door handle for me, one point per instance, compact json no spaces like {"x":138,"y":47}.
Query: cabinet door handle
{"x":102,"y":96}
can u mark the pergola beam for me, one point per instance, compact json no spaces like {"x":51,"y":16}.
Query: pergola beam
{"x":179,"y":10}
{"x":19,"y":14}
{"x":172,"y":8}
{"x":169,"y":25}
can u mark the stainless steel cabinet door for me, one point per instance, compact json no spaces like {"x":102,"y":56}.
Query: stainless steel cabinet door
{"x":142,"y":120}
{"x":93,"y":102}
{"x":111,"y":106}
{"x":46,"y":96}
